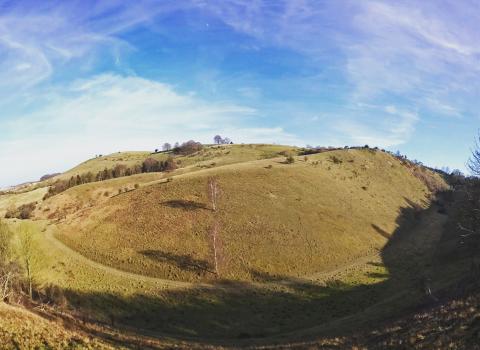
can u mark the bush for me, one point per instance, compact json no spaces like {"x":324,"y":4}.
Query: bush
{"x":335,"y":160}
{"x":188,"y":147}
{"x":290,"y":159}
{"x":169,"y":164}
{"x":23,"y":212}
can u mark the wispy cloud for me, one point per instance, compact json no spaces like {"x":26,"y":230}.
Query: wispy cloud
{"x":109,"y":113}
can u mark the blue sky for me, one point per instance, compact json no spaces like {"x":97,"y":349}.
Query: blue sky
{"x":79,"y":78}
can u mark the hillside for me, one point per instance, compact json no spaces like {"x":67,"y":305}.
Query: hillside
{"x":279,"y":219}
{"x":300,"y":245}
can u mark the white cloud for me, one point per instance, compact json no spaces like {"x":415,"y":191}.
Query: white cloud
{"x":381,"y":126}
{"x":110,"y":113}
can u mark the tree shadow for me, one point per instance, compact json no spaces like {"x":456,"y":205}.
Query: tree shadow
{"x":381,"y":231}
{"x":185,"y":204}
{"x":182,"y":261}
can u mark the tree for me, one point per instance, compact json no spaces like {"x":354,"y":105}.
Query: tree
{"x":170,"y":164}
{"x":150,"y":165}
{"x":166,"y":146}
{"x":26,"y":253}
{"x":217,"y":139}
{"x":119,"y":170}
{"x":227,"y":141}
{"x":473,"y":163}
{"x":213,"y":192}
{"x":5,"y":240}
{"x":188,"y":147}
{"x":214,"y":230}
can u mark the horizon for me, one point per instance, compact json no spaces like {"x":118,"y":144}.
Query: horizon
{"x":85,"y":78}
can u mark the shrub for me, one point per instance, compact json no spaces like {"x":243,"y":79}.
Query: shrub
{"x":188,"y":147}
{"x":136,"y":186}
{"x":150,"y":165}
{"x":169,"y":164}
{"x":23,"y":212}
{"x":335,"y":160}
{"x":290,"y":159}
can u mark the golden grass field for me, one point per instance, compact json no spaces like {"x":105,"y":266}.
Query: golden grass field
{"x":303,"y":245}
{"x":275,"y":219}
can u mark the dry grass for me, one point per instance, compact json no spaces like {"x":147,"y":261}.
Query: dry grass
{"x":20,"y":329}
{"x":220,"y":155}
{"x":280,"y":223}
{"x":16,"y":200}
{"x":290,"y":220}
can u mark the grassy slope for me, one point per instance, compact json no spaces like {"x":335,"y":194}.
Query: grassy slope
{"x":221,"y":155}
{"x":264,"y":202}
{"x":289,"y":220}
{"x":20,"y":329}
{"x":8,"y":200}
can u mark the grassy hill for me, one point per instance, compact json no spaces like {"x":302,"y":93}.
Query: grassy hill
{"x":218,"y":155}
{"x":330,"y":241}
{"x":279,"y":219}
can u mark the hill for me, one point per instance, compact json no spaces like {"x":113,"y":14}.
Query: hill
{"x":280,"y":219}
{"x":330,"y":241}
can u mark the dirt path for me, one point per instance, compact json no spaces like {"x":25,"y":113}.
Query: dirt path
{"x":49,"y":236}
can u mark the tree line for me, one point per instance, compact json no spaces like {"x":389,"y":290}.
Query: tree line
{"x":149,"y":165}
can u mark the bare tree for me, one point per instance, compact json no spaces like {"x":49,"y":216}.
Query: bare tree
{"x":26,"y":253}
{"x":473,"y":163}
{"x":217,"y":139}
{"x":5,"y":274}
{"x":213,"y":192}
{"x":214,"y":231}
{"x":5,"y":239}
{"x":166,"y":146}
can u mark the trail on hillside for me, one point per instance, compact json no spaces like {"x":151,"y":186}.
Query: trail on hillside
{"x":49,"y":236}
{"x":419,"y":249}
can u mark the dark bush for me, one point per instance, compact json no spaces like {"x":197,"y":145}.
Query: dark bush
{"x":188,"y":148}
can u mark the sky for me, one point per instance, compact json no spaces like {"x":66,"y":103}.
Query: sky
{"x":80,"y":78}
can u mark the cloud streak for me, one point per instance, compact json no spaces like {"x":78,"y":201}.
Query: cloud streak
{"x":109,"y":113}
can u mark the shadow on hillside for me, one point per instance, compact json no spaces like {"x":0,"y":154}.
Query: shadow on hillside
{"x":381,"y":231}
{"x":182,"y":261}
{"x":184,"y":204}
{"x":238,"y":312}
